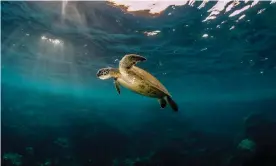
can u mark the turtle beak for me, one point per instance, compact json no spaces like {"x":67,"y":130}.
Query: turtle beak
{"x":98,"y":74}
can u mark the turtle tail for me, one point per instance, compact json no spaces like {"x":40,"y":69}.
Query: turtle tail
{"x":172,"y":103}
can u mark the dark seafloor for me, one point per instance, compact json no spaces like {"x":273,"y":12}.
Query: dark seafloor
{"x":221,"y":72}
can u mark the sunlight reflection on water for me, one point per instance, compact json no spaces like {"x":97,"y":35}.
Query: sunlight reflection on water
{"x":154,"y":7}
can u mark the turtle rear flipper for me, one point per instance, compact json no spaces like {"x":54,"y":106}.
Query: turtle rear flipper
{"x":172,"y":103}
{"x":162,"y":103}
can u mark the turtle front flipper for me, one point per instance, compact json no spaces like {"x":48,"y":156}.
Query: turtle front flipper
{"x":131,"y":59}
{"x":117,"y":86}
{"x":162,"y":103}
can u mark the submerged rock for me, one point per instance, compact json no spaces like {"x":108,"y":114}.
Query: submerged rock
{"x":247,"y":145}
{"x":62,"y":142}
{"x":12,"y":159}
{"x":30,"y":150}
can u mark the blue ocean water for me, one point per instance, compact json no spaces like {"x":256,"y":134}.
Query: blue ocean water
{"x":217,"y":60}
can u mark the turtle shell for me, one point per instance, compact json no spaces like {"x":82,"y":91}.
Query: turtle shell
{"x":150,"y":78}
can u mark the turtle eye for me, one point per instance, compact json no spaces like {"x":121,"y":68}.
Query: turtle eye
{"x":102,"y":73}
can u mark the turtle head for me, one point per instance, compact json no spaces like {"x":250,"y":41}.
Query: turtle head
{"x":106,"y":73}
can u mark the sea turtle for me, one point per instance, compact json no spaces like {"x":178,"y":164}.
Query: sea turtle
{"x":137,"y":80}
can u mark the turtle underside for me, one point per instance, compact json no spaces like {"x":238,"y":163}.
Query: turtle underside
{"x":140,"y":81}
